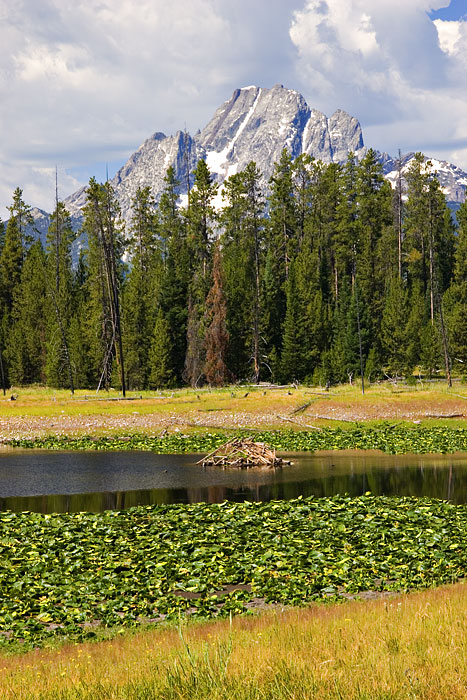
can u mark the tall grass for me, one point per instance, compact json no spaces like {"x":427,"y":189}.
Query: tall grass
{"x":412,"y":646}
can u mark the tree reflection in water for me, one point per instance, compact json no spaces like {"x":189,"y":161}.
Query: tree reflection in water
{"x":326,"y":474}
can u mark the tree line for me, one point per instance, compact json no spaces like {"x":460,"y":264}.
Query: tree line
{"x":333,"y":275}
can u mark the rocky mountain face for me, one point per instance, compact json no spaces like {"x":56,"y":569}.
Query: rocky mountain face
{"x":254,"y":124}
{"x":453,"y":180}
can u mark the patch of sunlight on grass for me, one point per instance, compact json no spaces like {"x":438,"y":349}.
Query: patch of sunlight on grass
{"x":413,"y":645}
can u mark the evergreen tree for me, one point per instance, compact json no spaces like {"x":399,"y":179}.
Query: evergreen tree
{"x":292,"y":365}
{"x":101,"y":224}
{"x":176,"y":273}
{"x":416,"y":320}
{"x":142,"y":289}
{"x":373,"y":223}
{"x":346,"y":243}
{"x":393,"y":328}
{"x":16,"y":242}
{"x":456,"y":296}
{"x":281,"y":247}
{"x":160,"y":373}
{"x":59,"y":286}
{"x":243,"y":251}
{"x":201,"y":220}
{"x":26,"y":349}
{"x":217,"y":337}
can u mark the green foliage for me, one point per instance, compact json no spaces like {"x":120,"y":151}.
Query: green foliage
{"x":62,"y":574}
{"x":142,"y":291}
{"x":292,"y":270}
{"x":160,"y":374}
{"x":392,"y":439}
{"x":26,"y":347}
{"x":393,"y":327}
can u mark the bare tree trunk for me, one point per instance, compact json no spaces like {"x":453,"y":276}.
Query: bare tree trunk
{"x":107,"y":242}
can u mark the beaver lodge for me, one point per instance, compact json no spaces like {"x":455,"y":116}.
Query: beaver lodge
{"x":243,"y":452}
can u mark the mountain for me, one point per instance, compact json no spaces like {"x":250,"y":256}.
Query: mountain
{"x":255,"y":124}
{"x":453,"y":180}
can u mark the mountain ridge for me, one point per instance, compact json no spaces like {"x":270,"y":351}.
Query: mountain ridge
{"x":255,"y":123}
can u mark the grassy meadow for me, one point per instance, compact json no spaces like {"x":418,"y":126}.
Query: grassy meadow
{"x":427,"y":403}
{"x":411,"y":646}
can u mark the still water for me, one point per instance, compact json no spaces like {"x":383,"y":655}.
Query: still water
{"x":48,"y":482}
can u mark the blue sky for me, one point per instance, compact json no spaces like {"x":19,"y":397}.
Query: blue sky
{"x":456,"y":10}
{"x":84,"y":82}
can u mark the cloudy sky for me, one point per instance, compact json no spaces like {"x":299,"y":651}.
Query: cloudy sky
{"x":84,"y":82}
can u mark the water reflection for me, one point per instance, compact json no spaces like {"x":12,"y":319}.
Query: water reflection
{"x":91,"y":481}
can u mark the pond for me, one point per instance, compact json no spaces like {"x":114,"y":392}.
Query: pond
{"x":47,"y":482}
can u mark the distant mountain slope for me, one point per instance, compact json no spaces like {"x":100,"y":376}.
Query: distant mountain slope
{"x":453,"y":180}
{"x":255,"y":124}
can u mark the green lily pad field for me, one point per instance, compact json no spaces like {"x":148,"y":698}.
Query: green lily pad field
{"x":66,"y":576}
{"x":394,"y":439}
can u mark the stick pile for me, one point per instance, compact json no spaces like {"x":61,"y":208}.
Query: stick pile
{"x":243,"y":452}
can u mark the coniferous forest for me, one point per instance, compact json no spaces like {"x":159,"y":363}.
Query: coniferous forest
{"x":334,"y":273}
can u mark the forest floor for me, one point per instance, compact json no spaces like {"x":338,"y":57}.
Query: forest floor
{"x":37,"y":411}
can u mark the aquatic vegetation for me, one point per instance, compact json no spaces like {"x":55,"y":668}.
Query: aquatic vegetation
{"x":64,"y":575}
{"x":390,"y":438}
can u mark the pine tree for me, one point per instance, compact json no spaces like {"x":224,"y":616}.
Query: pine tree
{"x":26,"y":348}
{"x":3,"y":317}
{"x":292,"y":365}
{"x":373,"y":222}
{"x":59,"y":287}
{"x":416,"y":320}
{"x":393,"y":328}
{"x":283,"y":215}
{"x":15,"y":245}
{"x":217,"y":337}
{"x":105,"y":250}
{"x":160,"y":373}
{"x":201,"y":220}
{"x":456,"y":296}
{"x":243,"y":251}
{"x":176,"y":273}
{"x":143,"y":287}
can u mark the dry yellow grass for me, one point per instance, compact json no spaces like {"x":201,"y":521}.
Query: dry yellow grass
{"x":410,"y":646}
{"x":39,"y":411}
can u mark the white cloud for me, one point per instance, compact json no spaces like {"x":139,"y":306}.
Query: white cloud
{"x":388,"y":64}
{"x":449,"y":34}
{"x":86,"y":81}
{"x":89,"y":80}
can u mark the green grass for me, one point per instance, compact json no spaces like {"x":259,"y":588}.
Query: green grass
{"x":414,"y":646}
{"x":37,"y":401}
